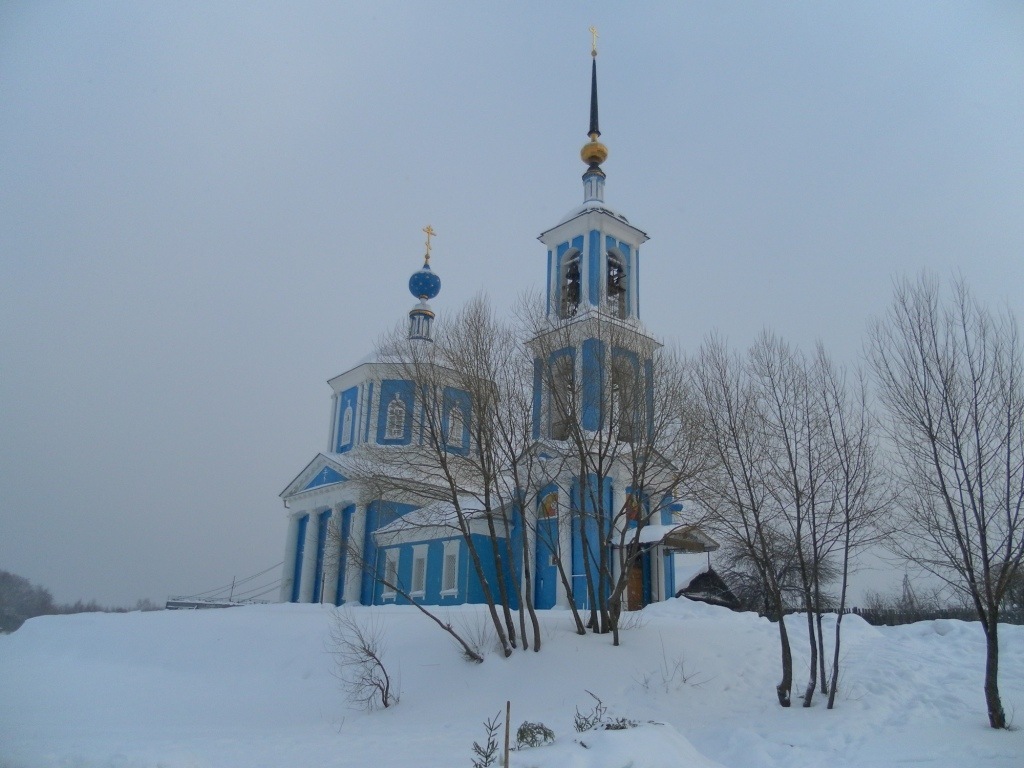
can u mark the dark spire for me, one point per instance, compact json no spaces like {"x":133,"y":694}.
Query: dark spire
{"x":594,"y":152}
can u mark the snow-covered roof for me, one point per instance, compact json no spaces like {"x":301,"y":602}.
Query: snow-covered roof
{"x":688,"y":538}
{"x":593,"y":205}
{"x":434,"y":520}
{"x":689,"y":567}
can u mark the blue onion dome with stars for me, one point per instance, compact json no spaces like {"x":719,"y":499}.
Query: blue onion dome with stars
{"x":424,"y":284}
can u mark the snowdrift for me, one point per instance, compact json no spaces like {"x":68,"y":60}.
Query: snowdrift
{"x":255,"y":687}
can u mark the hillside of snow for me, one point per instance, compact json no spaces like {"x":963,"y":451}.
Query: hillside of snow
{"x":254,"y":687}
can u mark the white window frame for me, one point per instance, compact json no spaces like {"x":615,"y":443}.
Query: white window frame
{"x":347,"y":418}
{"x":390,"y":573}
{"x":397,"y":415}
{"x":456,"y":425}
{"x":419,"y":571}
{"x":451,"y":554}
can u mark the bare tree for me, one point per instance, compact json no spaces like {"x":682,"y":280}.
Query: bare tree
{"x":358,"y":651}
{"x":351,"y":552}
{"x":792,"y":485}
{"x":859,"y":485}
{"x":735,"y":487}
{"x":621,"y":425}
{"x":473,"y":428}
{"x":950,"y":375}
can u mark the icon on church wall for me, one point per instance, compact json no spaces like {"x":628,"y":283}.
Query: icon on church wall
{"x":549,"y":505}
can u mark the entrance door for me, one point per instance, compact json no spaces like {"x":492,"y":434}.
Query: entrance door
{"x":635,"y":586}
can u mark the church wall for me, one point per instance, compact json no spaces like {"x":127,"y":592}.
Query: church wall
{"x":378,"y":514}
{"x":488,"y":561}
{"x":546,"y":547}
{"x":468,"y":586}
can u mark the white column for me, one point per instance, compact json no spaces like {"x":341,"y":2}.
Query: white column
{"x":657,"y":559}
{"x":353,"y":568}
{"x":309,"y":560}
{"x":288,"y":568}
{"x":618,"y":500}
{"x":332,"y":556}
{"x":564,"y":545}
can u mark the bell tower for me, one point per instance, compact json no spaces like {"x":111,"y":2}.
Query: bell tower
{"x":594,"y":342}
{"x":594,"y":252}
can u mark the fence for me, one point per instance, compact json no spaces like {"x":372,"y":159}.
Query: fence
{"x":893,"y":616}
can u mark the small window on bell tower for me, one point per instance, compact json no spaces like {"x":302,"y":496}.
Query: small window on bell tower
{"x":571,"y":280}
{"x":616,"y":284}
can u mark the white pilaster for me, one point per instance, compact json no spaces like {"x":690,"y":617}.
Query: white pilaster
{"x":333,"y":437}
{"x":353,"y":568}
{"x":657,"y":560}
{"x":309,"y":560}
{"x":288,"y":568}
{"x":332,"y":556}
{"x":564,"y":546}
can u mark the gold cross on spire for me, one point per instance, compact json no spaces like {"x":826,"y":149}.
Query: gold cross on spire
{"x":429,"y":230}
{"x":593,"y":41}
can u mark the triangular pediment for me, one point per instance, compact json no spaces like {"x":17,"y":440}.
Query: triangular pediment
{"x":321,"y":471}
{"x":326,"y":476}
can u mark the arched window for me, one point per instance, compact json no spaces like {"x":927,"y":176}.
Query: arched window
{"x":625,"y":399}
{"x":617,"y":282}
{"x":571,"y":278}
{"x":396,"y":419}
{"x":346,"y":426}
{"x":456,"y":426}
{"x":561,"y":397}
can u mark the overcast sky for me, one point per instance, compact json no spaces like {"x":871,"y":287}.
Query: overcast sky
{"x":209,"y":209}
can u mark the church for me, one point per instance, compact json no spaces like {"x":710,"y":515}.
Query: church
{"x":350,"y":543}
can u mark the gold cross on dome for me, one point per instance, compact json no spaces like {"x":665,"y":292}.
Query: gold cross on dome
{"x":430,"y":232}
{"x":593,"y":41}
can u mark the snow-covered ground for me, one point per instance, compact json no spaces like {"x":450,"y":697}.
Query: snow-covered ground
{"x":254,"y":687}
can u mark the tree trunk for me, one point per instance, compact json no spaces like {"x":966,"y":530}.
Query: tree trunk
{"x":526,"y":593}
{"x":567,"y":585}
{"x":834,"y":683}
{"x":492,"y":607}
{"x":996,"y":715}
{"x":499,"y":569}
{"x":785,"y":687}
{"x":821,"y":653}
{"x":812,"y":680}
{"x":821,"y":637}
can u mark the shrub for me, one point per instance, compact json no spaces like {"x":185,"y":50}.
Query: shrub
{"x":534,"y":735}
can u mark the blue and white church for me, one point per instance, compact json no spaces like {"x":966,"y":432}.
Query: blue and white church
{"x":593,"y":276}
